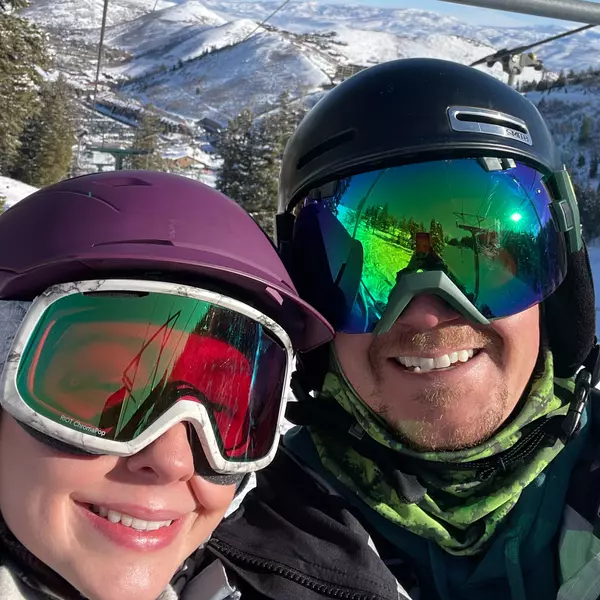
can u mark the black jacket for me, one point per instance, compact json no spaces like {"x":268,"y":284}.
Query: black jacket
{"x":307,"y":524}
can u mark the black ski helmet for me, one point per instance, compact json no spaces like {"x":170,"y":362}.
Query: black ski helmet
{"x":414,"y":110}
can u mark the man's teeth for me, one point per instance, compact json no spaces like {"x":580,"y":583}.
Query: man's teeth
{"x":116,"y":517}
{"x":439,"y":362}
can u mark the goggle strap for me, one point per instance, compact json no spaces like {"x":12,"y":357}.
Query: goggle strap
{"x":429,"y":282}
{"x":57,"y":444}
{"x":566,"y":212}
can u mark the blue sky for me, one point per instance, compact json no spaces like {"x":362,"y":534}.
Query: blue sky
{"x":469,"y":14}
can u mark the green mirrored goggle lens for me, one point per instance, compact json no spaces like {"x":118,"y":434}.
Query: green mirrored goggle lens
{"x":490,"y":230}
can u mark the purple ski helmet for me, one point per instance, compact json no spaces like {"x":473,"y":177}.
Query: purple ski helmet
{"x":149,"y":225}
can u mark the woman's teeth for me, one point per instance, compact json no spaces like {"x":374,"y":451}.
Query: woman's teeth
{"x":116,"y":517}
{"x":420,"y":365}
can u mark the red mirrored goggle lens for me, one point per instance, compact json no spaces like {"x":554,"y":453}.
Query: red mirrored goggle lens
{"x":110,"y":365}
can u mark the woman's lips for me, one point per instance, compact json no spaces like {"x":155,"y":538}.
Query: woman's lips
{"x":127,"y":536}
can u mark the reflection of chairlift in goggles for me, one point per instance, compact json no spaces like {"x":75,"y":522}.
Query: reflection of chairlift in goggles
{"x":109,"y":366}
{"x":487,"y":235}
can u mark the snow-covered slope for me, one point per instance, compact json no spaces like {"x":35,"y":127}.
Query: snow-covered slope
{"x":13,"y":190}
{"x":580,"y":50}
{"x":251,"y":74}
{"x":87,"y":14}
{"x":319,"y":16}
{"x":364,"y":47}
{"x":196,"y":41}
{"x":564,"y":109}
{"x":196,"y":80}
{"x":194,"y":58}
{"x":164,"y":28}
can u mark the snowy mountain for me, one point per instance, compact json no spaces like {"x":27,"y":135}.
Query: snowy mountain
{"x":580,"y":49}
{"x":196,"y":59}
{"x":194,"y":82}
{"x":163,"y":28}
{"x":210,"y":59}
{"x":74,"y":14}
{"x":207,"y":59}
{"x":182,"y":33}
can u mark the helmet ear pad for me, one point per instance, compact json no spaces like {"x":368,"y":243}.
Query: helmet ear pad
{"x":320,"y":243}
{"x":570,"y":316}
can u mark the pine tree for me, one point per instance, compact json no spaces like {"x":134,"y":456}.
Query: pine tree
{"x":147,"y":138}
{"x":22,"y":51}
{"x":585,"y":131}
{"x":251,"y":153}
{"x":235,"y":146}
{"x":588,"y":200}
{"x":593,"y":167}
{"x":11,"y":6}
{"x":46,"y":144}
{"x":271,"y":133}
{"x":262,"y":204}
{"x":2,"y":204}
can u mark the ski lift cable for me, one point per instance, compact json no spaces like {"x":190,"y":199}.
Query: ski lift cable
{"x":520,"y":49}
{"x":261,"y":24}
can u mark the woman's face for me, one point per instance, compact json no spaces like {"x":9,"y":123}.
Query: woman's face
{"x":113,"y":527}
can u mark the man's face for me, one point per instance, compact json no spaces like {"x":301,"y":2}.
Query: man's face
{"x":449,"y":407}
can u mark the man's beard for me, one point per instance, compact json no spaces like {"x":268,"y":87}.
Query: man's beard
{"x":430,"y":433}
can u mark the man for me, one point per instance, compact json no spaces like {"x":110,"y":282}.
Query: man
{"x":447,"y":449}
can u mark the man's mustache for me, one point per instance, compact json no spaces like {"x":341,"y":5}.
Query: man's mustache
{"x":453,"y":337}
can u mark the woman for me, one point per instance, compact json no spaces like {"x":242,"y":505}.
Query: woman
{"x":147,"y":329}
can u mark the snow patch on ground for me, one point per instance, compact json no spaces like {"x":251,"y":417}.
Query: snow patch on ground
{"x":14,"y":190}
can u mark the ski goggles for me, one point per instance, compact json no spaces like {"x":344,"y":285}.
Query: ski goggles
{"x":109,"y":366}
{"x":488,"y":235}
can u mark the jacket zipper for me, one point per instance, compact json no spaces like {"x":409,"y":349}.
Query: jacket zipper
{"x":288,"y":573}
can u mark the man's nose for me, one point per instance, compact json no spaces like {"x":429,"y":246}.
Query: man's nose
{"x":426,"y":312}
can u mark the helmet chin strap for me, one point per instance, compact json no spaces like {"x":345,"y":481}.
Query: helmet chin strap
{"x":585,"y":383}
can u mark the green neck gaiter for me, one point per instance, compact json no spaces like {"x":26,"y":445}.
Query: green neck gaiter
{"x":460,"y":511}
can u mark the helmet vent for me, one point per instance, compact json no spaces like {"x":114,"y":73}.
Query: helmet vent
{"x":490,"y":122}
{"x":333,"y":142}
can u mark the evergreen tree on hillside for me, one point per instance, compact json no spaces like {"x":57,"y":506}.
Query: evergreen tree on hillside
{"x":251,"y":153}
{"x":147,"y":137}
{"x":589,"y":207}
{"x":2,"y":204}
{"x":236,"y":148}
{"x":284,"y":120}
{"x":585,"y":131}
{"x":593,"y":167}
{"x":262,"y":201}
{"x":22,"y":51}
{"x":12,"y":6}
{"x":46,"y":144}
